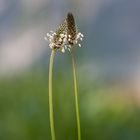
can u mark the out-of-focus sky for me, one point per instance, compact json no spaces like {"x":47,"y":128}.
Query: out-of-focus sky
{"x":111,"y":45}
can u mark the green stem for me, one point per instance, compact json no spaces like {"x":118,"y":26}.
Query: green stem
{"x":50,"y":96}
{"x":76,"y":97}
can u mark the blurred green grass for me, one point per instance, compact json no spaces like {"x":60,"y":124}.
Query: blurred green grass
{"x":106,"y":112}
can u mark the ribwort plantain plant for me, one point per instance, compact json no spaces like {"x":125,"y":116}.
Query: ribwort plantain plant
{"x":56,"y":41}
{"x":65,"y":38}
{"x":72,"y":39}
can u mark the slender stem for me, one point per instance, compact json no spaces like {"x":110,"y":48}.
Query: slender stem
{"x":76,"y":97}
{"x":50,"y":96}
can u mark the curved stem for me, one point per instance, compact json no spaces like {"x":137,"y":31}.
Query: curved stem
{"x":76,"y":97}
{"x":50,"y":96}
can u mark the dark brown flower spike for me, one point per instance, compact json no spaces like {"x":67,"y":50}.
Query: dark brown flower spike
{"x":59,"y":35}
{"x":71,"y":29}
{"x":72,"y":36}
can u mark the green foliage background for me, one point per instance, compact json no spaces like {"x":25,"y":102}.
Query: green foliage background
{"x":106,"y":113}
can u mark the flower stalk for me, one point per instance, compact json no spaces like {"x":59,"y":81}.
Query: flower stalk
{"x":73,"y":38}
{"x":50,"y":95}
{"x":76,"y":95}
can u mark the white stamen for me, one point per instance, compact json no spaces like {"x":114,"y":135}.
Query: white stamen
{"x":60,"y":39}
{"x":62,"y":35}
{"x":48,"y":34}
{"x":69,"y":49}
{"x":79,"y":45}
{"x":64,"y":39}
{"x":63,"y":50}
{"x":65,"y":46}
{"x":50,"y":37}
{"x":45,"y":38}
{"x":82,"y":35}
{"x":53,"y":34}
{"x":51,"y":46}
{"x":78,"y":36}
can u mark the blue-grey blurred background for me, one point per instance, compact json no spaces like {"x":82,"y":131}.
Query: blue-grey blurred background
{"x":108,"y":70}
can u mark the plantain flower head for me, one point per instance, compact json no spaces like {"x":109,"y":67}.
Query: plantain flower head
{"x":66,"y":36}
{"x":58,"y":38}
{"x":73,"y":36}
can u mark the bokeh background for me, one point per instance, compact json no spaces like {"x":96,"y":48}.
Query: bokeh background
{"x":108,"y":70}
